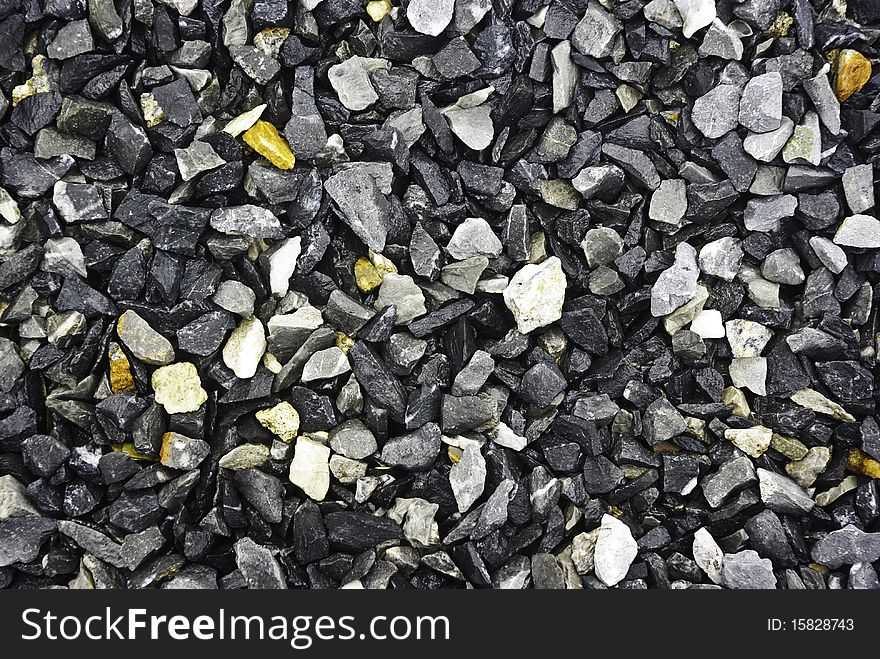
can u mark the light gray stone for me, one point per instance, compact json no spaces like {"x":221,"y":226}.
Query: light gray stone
{"x":595,"y":32}
{"x":862,"y":231}
{"x":714,"y":114}
{"x":677,"y":284}
{"x":467,"y":477}
{"x":760,"y":108}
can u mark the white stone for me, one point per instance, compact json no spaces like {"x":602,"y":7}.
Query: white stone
{"x":310,"y":468}
{"x":676,"y":285}
{"x":351,"y":82}
{"x":813,"y":400}
{"x":63,"y":256}
{"x":182,"y":7}
{"x":325,"y":364}
{"x":565,"y":75}
{"x":714,"y":113}
{"x":669,"y":202}
{"x":198,"y":157}
{"x":473,"y":237}
{"x":504,"y":436}
{"x":696,"y":14}
{"x":708,"y":324}
{"x":14,"y":501}
{"x":9,"y":207}
{"x":762,"y":292}
{"x":663,"y":13}
{"x":473,"y":126}
{"x":536,"y":293}
{"x":245,"y":347}
{"x":708,"y":555}
{"x":616,"y":549}
{"x":244,"y":121}
{"x":766,"y":146}
{"x":858,"y":187}
{"x":430,"y":16}
{"x":282,"y":264}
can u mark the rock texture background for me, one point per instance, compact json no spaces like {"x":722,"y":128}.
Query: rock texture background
{"x":439,"y":294}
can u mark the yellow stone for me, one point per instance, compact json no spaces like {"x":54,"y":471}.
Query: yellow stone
{"x":853,"y":72}
{"x":378,"y":9}
{"x":22,"y":91}
{"x":178,"y":388}
{"x":129,"y":449}
{"x":861,"y":463}
{"x":152,"y":111}
{"x":454,"y":453}
{"x":282,"y":420}
{"x":344,"y":342}
{"x":263,"y":138}
{"x":780,"y":26}
{"x":121,"y":379}
{"x":366,"y":275}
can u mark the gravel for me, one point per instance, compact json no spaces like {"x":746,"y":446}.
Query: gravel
{"x":439,"y":294}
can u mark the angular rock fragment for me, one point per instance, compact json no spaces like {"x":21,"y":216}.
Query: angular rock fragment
{"x":676,"y":285}
{"x":309,"y":469}
{"x":760,"y":106}
{"x":535,"y":294}
{"x":415,"y":451}
{"x":615,"y":551}
{"x":182,"y":452}
{"x":245,"y":348}
{"x":178,"y":388}
{"x":714,"y":113}
{"x":363,"y":207}
{"x":746,"y":569}
{"x":145,"y":343}
{"x":595,"y":32}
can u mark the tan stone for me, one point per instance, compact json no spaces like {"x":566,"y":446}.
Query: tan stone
{"x":282,"y":420}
